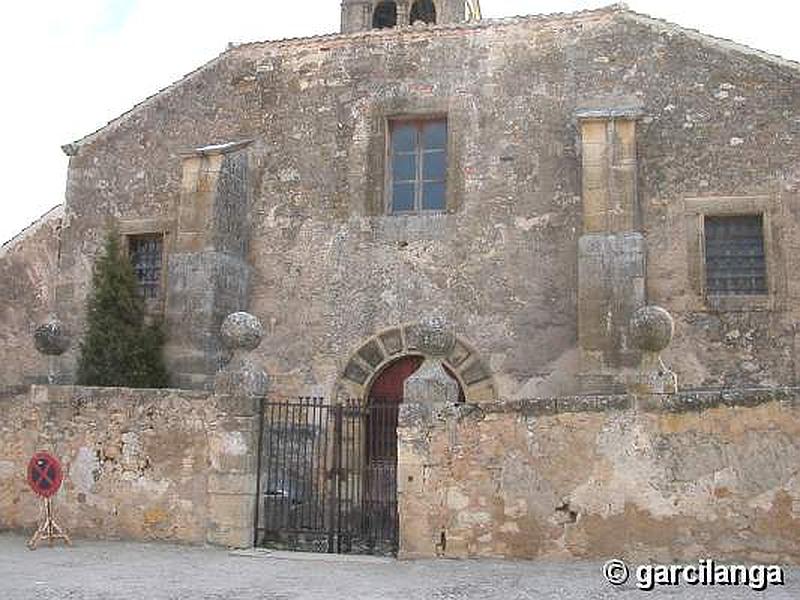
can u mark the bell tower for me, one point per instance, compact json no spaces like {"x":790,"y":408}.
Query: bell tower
{"x":363,"y":15}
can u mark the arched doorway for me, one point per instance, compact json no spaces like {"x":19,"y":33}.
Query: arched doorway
{"x":328,"y":468}
{"x":387,"y":386}
{"x":380,"y":444}
{"x":375,"y":354}
{"x":383,"y":404}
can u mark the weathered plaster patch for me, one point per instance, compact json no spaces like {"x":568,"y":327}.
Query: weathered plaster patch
{"x":84,"y":470}
{"x":7,"y":469}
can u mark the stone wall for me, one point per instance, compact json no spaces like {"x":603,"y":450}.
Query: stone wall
{"x":139,"y":464}
{"x":28,"y":271}
{"x":670,"y":478}
{"x":656,"y":478}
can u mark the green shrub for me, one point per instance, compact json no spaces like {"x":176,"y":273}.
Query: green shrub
{"x":119,"y":349}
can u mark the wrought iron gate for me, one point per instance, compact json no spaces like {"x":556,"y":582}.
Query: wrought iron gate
{"x":328,"y":480}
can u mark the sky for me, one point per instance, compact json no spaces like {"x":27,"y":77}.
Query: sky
{"x":70,"y":67}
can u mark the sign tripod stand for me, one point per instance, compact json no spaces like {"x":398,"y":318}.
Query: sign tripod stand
{"x":45,"y":477}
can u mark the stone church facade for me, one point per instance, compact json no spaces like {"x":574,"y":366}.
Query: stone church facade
{"x":582,"y":165}
{"x":534,"y":181}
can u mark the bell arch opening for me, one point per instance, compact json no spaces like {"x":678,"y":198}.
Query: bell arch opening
{"x":385,"y":15}
{"x":423,"y":10}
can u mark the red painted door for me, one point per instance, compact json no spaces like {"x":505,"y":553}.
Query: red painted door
{"x":385,"y":396}
{"x":388,"y":386}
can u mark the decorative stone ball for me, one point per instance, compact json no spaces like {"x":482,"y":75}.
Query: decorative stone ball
{"x":51,"y":338}
{"x":651,"y":328}
{"x":436,"y":336}
{"x":241,"y":330}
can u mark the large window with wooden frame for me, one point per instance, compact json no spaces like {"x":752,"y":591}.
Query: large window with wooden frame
{"x":417,"y":179}
{"x":734,"y":255}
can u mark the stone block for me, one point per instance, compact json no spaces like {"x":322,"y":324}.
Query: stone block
{"x":225,"y":460}
{"x":371,"y":353}
{"x":392,"y":341}
{"x":242,"y":408}
{"x":231,"y":537}
{"x":194,"y":213}
{"x":231,"y":510}
{"x":232,"y":483}
{"x":481,"y":392}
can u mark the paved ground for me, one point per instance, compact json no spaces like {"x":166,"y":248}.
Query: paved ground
{"x":123,"y":571}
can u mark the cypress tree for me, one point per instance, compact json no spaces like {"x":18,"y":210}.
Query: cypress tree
{"x":119,"y":349}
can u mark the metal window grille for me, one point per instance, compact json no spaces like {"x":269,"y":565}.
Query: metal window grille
{"x":145,"y":255}
{"x":418,"y":166}
{"x":735,"y":258}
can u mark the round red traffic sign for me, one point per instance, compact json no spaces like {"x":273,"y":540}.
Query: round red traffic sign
{"x":44,"y":474}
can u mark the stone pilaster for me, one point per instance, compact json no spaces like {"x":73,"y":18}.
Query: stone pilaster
{"x":429,"y":396}
{"x":612,"y":251}
{"x":233,"y":472}
{"x":240,"y":388}
{"x":427,"y":449}
{"x":609,"y":172}
{"x":418,"y":504}
{"x":207,"y":272}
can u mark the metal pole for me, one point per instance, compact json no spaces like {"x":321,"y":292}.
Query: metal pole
{"x":259,"y":451}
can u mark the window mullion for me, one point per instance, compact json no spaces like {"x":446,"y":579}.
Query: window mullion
{"x":418,"y":176}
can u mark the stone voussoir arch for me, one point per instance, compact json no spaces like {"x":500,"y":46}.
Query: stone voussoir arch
{"x":372,"y":356}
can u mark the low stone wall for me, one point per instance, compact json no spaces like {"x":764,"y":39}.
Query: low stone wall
{"x":139,"y":464}
{"x":661,"y":478}
{"x":679,"y":477}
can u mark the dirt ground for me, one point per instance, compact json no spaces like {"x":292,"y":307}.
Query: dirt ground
{"x":94,"y":570}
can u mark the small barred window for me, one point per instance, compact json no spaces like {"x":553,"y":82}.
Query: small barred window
{"x":145,"y":255}
{"x":735,"y":259}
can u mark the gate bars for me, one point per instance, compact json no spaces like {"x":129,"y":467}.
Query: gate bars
{"x":328,"y":476}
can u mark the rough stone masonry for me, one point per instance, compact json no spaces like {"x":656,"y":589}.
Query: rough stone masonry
{"x":584,"y":152}
{"x":587,"y":166}
{"x":691,"y":475}
{"x":140,"y":464}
